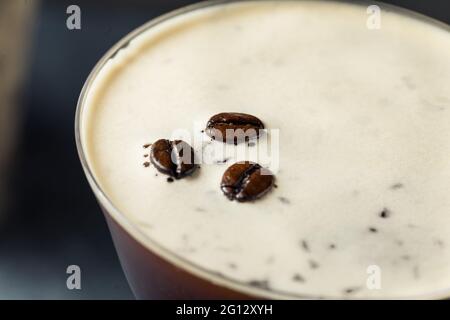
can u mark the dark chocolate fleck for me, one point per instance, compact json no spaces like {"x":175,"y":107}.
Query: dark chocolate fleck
{"x":351,"y":290}
{"x":263,"y":284}
{"x":385,"y":213}
{"x":313,"y":264}
{"x":305,"y":245}
{"x":170,"y":179}
{"x":146,"y":164}
{"x":222,"y":161}
{"x":284,"y":200}
{"x":147,"y":145}
{"x":232,"y":265}
{"x":406,"y":257}
{"x":145,"y":155}
{"x":399,"y":242}
{"x":373,"y":230}
{"x":298,"y":278}
{"x":439,"y":243}
{"x":396,"y":186}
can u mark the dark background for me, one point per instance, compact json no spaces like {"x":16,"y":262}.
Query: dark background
{"x":53,"y":220}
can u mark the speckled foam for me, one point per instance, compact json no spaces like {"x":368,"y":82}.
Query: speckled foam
{"x":364,"y":143}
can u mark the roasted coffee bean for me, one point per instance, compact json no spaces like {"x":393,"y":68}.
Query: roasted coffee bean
{"x":174,"y":158}
{"x":246,"y":181}
{"x":232,"y":127}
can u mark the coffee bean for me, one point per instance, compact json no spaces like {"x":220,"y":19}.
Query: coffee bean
{"x":246,"y":181}
{"x":174,"y":158}
{"x":232,"y":127}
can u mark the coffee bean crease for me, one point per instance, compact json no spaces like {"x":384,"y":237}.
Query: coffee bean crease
{"x":169,"y":157}
{"x":246,"y":181}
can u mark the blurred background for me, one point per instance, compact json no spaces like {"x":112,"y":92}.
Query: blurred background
{"x":49,"y":218}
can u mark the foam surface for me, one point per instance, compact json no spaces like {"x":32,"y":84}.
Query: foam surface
{"x":364,"y":125}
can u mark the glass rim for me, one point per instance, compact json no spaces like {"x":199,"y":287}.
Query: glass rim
{"x":154,"y":246}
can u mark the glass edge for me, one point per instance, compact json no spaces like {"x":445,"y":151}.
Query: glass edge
{"x":151,"y":244}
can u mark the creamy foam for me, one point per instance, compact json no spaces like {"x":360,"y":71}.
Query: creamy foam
{"x":364,"y":130}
